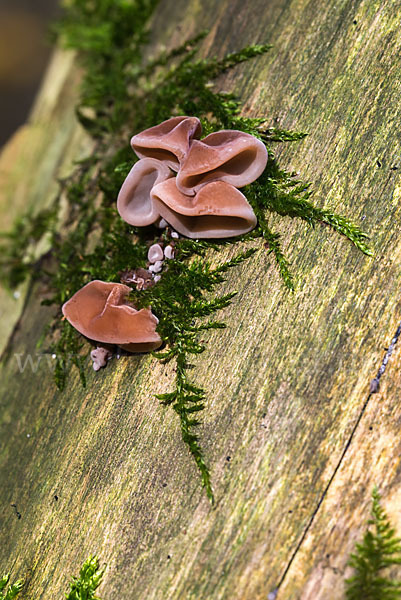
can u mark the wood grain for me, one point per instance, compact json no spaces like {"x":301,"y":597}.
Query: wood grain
{"x":286,"y":430}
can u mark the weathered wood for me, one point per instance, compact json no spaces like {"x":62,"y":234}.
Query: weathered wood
{"x":287,"y":427}
{"x":39,"y":153}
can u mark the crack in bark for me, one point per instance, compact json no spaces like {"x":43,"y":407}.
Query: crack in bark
{"x":374,"y":388}
{"x":375,"y":383}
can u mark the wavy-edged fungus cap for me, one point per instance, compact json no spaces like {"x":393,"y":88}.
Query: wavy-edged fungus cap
{"x":218,"y":210}
{"x":134,"y":203}
{"x":232,"y":156}
{"x":169,"y":141}
{"x":99,"y":311}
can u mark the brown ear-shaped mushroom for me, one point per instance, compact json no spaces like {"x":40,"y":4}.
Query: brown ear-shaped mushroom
{"x":232,"y":156}
{"x":169,"y":141}
{"x":134,"y":202}
{"x":218,"y":210}
{"x":99,"y":311}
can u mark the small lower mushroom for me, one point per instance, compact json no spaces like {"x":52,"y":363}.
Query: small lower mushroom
{"x":100,"y":311}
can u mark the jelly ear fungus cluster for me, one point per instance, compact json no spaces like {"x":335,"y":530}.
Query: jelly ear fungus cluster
{"x":192,"y":183}
{"x":180,"y":180}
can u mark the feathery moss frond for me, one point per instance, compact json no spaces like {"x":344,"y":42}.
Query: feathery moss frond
{"x":84,"y":586}
{"x":379,"y":550}
{"x":12,"y":591}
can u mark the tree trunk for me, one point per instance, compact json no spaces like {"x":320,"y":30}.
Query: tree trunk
{"x":293,"y":437}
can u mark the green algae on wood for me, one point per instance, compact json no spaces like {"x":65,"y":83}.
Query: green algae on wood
{"x":174,"y":83}
{"x":285,"y":380}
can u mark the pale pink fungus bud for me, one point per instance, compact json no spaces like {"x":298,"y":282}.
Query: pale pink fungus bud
{"x":161,"y":224}
{"x":157,"y":267}
{"x":100,"y":356}
{"x":169,"y":252}
{"x":155,"y":253}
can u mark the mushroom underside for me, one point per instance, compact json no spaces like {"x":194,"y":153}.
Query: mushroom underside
{"x":162,"y":154}
{"x":144,"y":347}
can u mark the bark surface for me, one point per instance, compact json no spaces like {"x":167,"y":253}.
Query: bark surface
{"x":294,"y":440}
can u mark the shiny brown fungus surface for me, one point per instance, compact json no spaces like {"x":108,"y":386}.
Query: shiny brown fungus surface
{"x":100,"y":312}
{"x":169,"y":141}
{"x":228,"y":155}
{"x":134,"y":203}
{"x":218,"y":210}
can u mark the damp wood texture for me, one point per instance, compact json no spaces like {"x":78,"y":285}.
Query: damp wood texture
{"x":294,"y":441}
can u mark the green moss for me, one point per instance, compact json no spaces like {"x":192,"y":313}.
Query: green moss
{"x":379,"y":550}
{"x":120,"y":88}
{"x":84,"y":586}
{"x":8,"y":592}
{"x":17,"y":257}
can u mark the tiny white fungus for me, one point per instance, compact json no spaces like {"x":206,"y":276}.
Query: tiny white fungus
{"x":162,"y":224}
{"x":155,"y":253}
{"x":169,"y":252}
{"x":157,"y":267}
